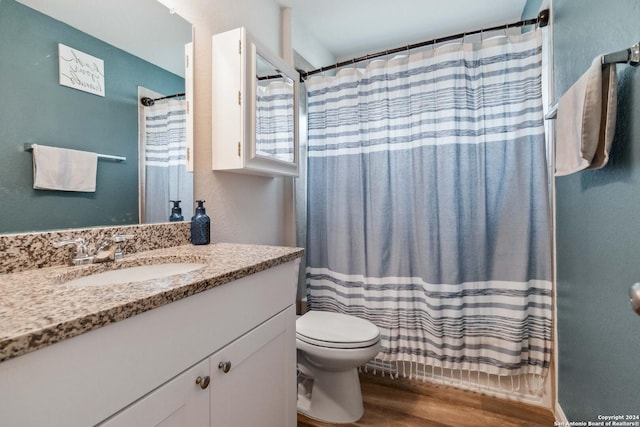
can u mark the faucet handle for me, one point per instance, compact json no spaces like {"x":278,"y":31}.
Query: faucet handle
{"x":119,"y":239}
{"x":82,"y":253}
{"x":61,"y":243}
{"x":81,"y":244}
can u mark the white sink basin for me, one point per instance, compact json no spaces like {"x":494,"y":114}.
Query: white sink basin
{"x":135,"y":274}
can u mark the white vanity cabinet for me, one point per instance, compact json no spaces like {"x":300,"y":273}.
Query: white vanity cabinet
{"x":254,"y":109}
{"x":247,"y":383}
{"x":142,"y":371}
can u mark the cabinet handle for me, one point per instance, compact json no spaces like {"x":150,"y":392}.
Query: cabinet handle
{"x":203,"y":382}
{"x":225,"y":366}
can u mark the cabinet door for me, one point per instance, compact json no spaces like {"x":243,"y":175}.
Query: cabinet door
{"x":255,"y":107}
{"x":258,"y":387}
{"x":180,"y":402}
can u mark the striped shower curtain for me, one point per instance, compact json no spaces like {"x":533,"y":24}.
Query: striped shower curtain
{"x":165,"y":159}
{"x":428,"y":205}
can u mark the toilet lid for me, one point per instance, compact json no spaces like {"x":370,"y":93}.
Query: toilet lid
{"x":336,"y":330}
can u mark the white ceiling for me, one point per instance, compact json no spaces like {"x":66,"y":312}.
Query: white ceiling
{"x":351,"y":28}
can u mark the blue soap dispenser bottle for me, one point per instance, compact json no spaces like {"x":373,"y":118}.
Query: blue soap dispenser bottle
{"x":176,"y":211}
{"x":200,"y":226}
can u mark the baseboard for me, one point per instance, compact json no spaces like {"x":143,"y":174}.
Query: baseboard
{"x":561,"y":418}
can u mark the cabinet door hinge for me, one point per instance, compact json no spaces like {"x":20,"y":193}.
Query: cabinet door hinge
{"x":188,"y":154}
{"x":239,"y":98}
{"x":239,"y":47}
{"x":188,"y":107}
{"x":238,"y":148}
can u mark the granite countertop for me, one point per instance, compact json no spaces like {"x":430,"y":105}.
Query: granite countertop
{"x":38,"y":309}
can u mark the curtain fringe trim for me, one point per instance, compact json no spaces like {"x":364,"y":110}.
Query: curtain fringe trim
{"x":527,"y":387}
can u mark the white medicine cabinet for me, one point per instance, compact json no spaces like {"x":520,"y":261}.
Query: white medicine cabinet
{"x":255,"y":111}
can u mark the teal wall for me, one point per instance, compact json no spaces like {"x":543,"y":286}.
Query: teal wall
{"x":598,"y":226}
{"x":36,"y":109}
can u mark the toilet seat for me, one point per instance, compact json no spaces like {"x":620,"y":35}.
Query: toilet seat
{"x":336,"y":330}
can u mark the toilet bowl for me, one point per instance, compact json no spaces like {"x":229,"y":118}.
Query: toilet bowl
{"x":330,"y":348}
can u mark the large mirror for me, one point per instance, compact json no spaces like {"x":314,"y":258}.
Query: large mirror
{"x":141,"y":44}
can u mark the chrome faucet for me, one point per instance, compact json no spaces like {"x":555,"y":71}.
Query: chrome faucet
{"x":111,"y":249}
{"x":107,"y":251}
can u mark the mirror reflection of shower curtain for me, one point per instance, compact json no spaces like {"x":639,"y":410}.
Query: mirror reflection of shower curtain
{"x":274,"y":120}
{"x":166,"y":177}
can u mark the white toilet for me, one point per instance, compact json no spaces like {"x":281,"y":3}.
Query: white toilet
{"x":331,"y":346}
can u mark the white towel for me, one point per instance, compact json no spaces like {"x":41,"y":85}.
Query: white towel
{"x":586,"y":120}
{"x":63,"y":169}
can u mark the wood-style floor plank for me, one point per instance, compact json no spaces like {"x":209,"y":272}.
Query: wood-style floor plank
{"x":404,"y":403}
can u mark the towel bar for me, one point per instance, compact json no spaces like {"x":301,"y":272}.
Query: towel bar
{"x":630,"y":56}
{"x":29,"y":147}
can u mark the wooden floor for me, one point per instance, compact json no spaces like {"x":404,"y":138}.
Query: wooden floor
{"x":404,"y":403}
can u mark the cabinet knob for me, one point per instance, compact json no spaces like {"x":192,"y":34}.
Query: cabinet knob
{"x":203,"y":382}
{"x":225,"y":366}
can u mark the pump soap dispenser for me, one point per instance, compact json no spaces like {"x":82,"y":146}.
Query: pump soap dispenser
{"x":200,"y":226}
{"x":176,"y":211}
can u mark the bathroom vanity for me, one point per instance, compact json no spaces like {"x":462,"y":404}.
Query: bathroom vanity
{"x":211,"y":347}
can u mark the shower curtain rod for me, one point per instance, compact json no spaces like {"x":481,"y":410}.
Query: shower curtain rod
{"x":148,"y":102}
{"x":271,"y":77}
{"x":542,"y":20}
